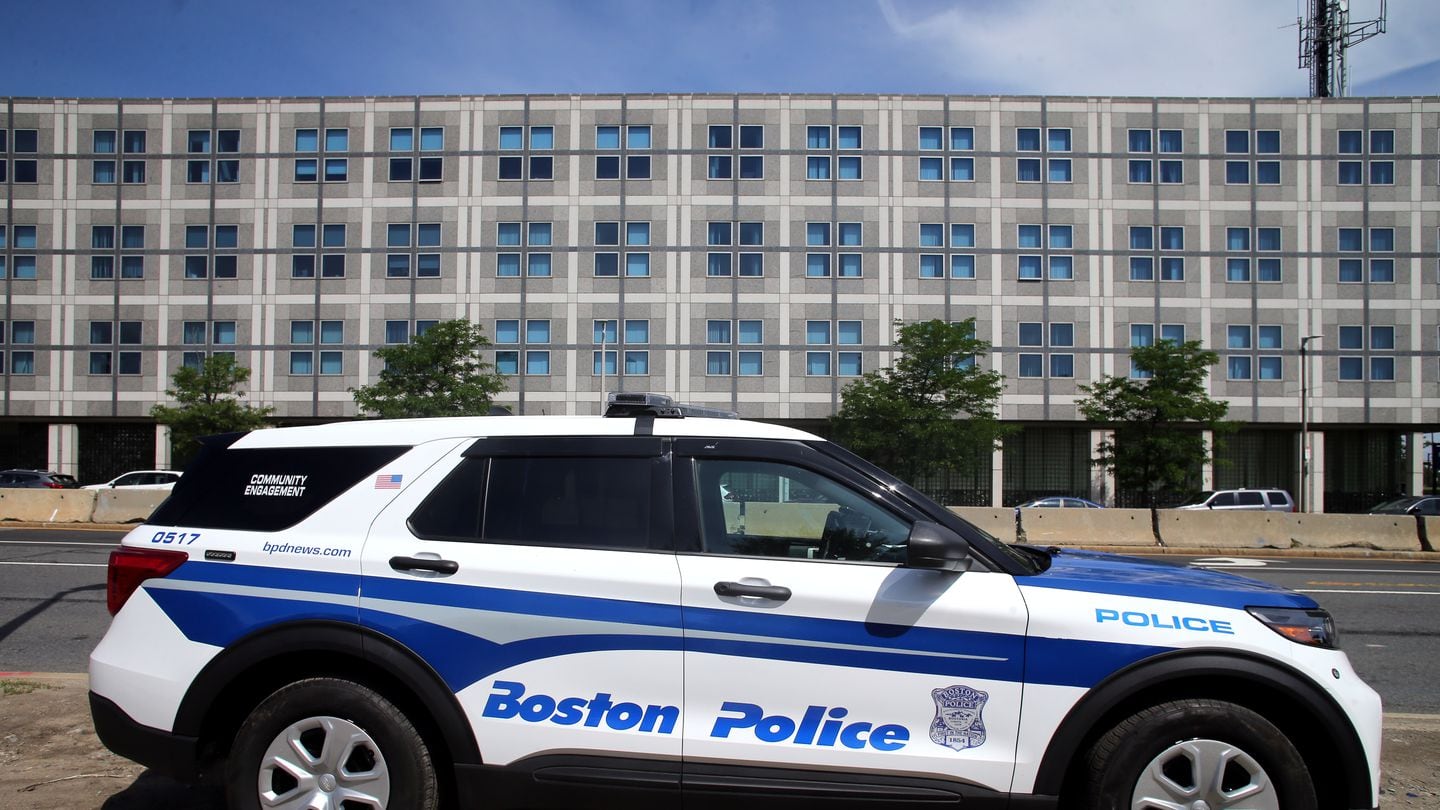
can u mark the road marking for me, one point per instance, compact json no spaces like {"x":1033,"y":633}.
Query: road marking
{"x":65,"y":565}
{"x":1233,"y":562}
{"x":1377,"y":593}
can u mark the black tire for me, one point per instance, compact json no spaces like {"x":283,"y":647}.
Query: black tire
{"x":372,"y":748}
{"x":1155,"y":753}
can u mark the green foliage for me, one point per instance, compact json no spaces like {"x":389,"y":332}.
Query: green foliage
{"x":1158,"y":421}
{"x":208,"y":404}
{"x":439,"y":373}
{"x":929,"y":412}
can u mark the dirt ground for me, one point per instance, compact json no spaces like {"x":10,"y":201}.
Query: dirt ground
{"x":50,"y":758}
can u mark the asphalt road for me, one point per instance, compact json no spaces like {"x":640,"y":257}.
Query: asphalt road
{"x":52,"y":608}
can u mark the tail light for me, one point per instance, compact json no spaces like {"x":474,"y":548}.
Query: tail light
{"x":129,"y":567}
{"x":53,"y":485}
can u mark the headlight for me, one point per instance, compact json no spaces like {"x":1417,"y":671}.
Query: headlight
{"x":1313,"y":628}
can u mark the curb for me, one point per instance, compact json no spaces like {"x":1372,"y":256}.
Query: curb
{"x":1231,"y":551}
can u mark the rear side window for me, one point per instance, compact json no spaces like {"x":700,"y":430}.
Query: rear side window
{"x":583,"y":502}
{"x":1278,"y":498}
{"x":1251,"y":499}
{"x":266,"y":489}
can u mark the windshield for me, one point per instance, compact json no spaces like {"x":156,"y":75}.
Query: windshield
{"x":1198,"y":498}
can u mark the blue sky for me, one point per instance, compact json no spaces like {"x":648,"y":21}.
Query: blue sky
{"x":177,"y":48}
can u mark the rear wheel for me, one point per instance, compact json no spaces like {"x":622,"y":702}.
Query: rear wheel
{"x":1197,"y":755}
{"x":333,"y":744}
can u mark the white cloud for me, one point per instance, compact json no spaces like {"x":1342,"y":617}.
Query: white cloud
{"x":1143,"y":47}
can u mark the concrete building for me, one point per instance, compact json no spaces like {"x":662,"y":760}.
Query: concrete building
{"x":744,"y":251}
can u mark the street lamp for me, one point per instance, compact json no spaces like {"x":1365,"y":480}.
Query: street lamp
{"x":1305,"y":420}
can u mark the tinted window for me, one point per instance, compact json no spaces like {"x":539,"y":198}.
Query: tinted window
{"x":590,"y":501}
{"x":1277,"y":498}
{"x":1250,"y":499}
{"x":1223,"y":499}
{"x":266,"y":489}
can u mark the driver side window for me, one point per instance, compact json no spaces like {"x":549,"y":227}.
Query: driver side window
{"x":768,"y":509}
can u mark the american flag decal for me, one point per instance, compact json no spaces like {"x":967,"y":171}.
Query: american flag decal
{"x":387,"y":481}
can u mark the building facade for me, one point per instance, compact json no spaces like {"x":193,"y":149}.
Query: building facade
{"x":744,"y":251}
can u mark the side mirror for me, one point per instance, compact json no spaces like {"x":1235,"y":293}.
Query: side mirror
{"x":933,"y":546}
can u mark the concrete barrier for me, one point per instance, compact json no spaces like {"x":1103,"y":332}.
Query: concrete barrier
{"x":1203,"y":528}
{"x":1430,"y":541}
{"x":1074,"y":527}
{"x":998,"y":522}
{"x":127,"y":505}
{"x":47,"y":505}
{"x":1383,"y":532}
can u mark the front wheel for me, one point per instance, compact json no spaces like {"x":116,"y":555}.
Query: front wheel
{"x":329,"y":743}
{"x":1197,"y":754}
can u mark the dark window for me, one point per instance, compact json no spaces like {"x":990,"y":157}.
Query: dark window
{"x":593,"y":501}
{"x":1250,"y":499}
{"x":266,"y":490}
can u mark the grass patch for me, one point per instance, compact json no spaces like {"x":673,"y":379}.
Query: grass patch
{"x":10,"y":687}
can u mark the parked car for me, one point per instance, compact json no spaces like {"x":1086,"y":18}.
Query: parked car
{"x":1060,"y":502}
{"x":1428,"y":505}
{"x":37,"y":479}
{"x":562,"y":612}
{"x":1255,"y":500}
{"x":141,"y":479}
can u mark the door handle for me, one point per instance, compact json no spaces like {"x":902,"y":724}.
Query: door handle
{"x":446,"y":567}
{"x":779,"y":593}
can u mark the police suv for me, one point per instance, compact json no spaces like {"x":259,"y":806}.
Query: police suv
{"x":659,"y":609}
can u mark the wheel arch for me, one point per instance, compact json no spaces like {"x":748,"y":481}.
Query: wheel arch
{"x":236,"y":680}
{"x":1314,"y":722}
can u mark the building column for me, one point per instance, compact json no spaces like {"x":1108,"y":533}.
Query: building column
{"x":997,"y":475}
{"x":1417,"y":464}
{"x":162,"y":447}
{"x":1102,"y":480}
{"x":63,"y":454}
{"x":1315,"y":496}
{"x":1207,"y":470}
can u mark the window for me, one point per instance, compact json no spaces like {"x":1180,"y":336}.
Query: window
{"x":752,"y":233}
{"x":1172,"y":268}
{"x":817,"y":137}
{"x":1382,"y":172}
{"x":1062,"y":365}
{"x":717,"y":264}
{"x":720,"y":136}
{"x":1058,"y":139}
{"x":1141,"y":171}
{"x":1172,"y":171}
{"x":1237,"y":172}
{"x":848,"y":167}
{"x":537,"y":265}
{"x":932,"y":137}
{"x":817,"y":167}
{"x":1382,"y":141}
{"x":1267,"y":172}
{"x":1350,"y":173}
{"x":962,"y":139}
{"x":1027,"y":170}
{"x":1267,"y":142}
{"x":717,"y":332}
{"x":933,"y":234}
{"x":932,"y":168}
{"x":1059,"y":170}
{"x":1172,"y":141}
{"x":848,"y":234}
{"x":1062,"y":268}
{"x":1138,"y":140}
{"x":752,"y":136}
{"x":1237,"y":142}
{"x":223,"y":333}
{"x":1172,"y":237}
{"x":817,"y":364}
{"x":817,"y":234}
{"x":1030,"y":268}
{"x":1027,"y":139}
{"x":848,"y":137}
{"x":718,"y":167}
{"x":1029,"y":236}
{"x":932,"y":265}
{"x":817,"y":265}
{"x":962,"y":169}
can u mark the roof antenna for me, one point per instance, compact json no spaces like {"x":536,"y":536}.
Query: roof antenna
{"x":1325,"y":35}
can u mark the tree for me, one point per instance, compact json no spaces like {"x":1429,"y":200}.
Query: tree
{"x":208,"y":404}
{"x":438,"y":373}
{"x":933,"y":411}
{"x":1159,"y":420}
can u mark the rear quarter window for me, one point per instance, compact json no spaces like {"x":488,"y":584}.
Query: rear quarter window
{"x":266,"y":489}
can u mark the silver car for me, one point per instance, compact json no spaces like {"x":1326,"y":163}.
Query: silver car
{"x":1256,"y":500}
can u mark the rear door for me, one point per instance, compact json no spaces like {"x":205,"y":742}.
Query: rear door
{"x":811,"y":653}
{"x":536,"y":576}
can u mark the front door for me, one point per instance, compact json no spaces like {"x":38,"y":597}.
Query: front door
{"x":811,"y":650}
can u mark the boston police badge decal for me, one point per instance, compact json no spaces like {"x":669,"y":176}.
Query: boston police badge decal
{"x":958,"y":723}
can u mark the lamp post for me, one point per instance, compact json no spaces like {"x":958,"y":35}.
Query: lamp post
{"x":1305,"y":421}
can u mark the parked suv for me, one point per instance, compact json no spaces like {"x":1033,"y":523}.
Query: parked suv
{"x":653,"y":607}
{"x":1259,"y":500}
{"x":37,"y":479}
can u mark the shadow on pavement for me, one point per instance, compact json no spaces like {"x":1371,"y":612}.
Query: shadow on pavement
{"x":151,"y":791}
